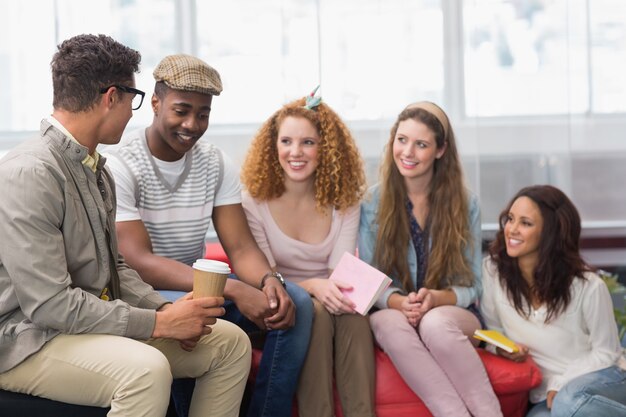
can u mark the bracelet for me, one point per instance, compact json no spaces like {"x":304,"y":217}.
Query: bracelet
{"x":272,"y":274}
{"x":263,"y":278}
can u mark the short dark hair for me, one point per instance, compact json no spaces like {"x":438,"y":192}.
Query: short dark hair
{"x":84,"y":64}
{"x":160,"y":89}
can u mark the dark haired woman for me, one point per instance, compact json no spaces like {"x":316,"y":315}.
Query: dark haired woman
{"x":540,"y":293}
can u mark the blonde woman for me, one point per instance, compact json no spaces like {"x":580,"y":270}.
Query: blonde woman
{"x":304,"y":180}
{"x":422,"y":228}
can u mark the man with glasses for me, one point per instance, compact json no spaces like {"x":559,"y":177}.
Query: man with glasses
{"x":77,"y":325}
{"x":170,"y":187}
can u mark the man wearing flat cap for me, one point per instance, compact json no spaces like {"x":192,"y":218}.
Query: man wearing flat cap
{"x":170,"y":187}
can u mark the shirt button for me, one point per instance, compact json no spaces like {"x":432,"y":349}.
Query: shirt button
{"x":77,"y":150}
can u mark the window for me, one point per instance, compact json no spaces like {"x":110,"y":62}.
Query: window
{"x":535,"y":89}
{"x":544,"y":57}
{"x":266,"y":54}
{"x":608,"y":55}
{"x":145,"y":25}
{"x":525,"y":57}
{"x":378,"y":56}
{"x":371,"y":57}
{"x":27,"y":43}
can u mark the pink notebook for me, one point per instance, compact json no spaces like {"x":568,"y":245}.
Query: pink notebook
{"x":367,"y":282}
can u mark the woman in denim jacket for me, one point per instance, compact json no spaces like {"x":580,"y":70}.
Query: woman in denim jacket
{"x":422,"y":228}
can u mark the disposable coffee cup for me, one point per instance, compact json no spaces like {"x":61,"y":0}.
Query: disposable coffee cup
{"x":209,"y":278}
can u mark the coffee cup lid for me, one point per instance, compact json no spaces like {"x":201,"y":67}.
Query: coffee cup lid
{"x":210,"y":265}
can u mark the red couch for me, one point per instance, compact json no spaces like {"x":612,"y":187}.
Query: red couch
{"x":511,"y":381}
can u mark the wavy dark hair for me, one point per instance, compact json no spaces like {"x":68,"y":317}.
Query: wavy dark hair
{"x":559,"y":254}
{"x":84,"y":64}
{"x":449,"y":223}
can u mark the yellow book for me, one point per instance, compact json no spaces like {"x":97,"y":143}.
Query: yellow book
{"x":496,"y":338}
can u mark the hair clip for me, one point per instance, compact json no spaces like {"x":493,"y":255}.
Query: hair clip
{"x":311,"y":101}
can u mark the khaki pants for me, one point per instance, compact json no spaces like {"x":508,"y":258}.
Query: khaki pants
{"x":134,"y":377}
{"x":344,"y":343}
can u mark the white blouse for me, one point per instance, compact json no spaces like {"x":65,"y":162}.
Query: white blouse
{"x":582,"y":339}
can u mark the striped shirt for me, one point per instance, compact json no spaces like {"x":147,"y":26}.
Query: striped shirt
{"x":176,"y":214}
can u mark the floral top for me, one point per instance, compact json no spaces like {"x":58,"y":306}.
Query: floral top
{"x":419,"y":239}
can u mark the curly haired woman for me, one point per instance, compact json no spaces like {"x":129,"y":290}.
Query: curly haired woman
{"x":422,"y":228}
{"x":539,"y":291}
{"x":304,"y":180}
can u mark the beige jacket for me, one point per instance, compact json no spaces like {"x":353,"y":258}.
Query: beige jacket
{"x":55,"y":251}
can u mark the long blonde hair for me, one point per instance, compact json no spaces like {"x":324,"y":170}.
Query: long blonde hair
{"x":339,"y":177}
{"x":448,"y":228}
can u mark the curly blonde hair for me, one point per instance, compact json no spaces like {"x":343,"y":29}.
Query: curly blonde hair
{"x":339,"y":177}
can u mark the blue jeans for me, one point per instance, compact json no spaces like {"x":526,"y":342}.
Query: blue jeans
{"x":599,"y":393}
{"x":283,"y":356}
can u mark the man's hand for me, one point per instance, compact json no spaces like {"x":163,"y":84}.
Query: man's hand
{"x":187,"y":319}
{"x":189,"y":344}
{"x":281,"y":305}
{"x":329,"y":294}
{"x":252,"y":303}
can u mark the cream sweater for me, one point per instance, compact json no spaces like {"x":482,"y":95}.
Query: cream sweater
{"x":298,"y":260}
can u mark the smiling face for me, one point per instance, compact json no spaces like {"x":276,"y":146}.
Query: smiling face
{"x":522,"y":231}
{"x":298,"y":144}
{"x":415,"y":150}
{"x":180,"y":120}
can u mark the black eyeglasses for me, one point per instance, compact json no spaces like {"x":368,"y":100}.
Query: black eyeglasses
{"x":137,"y":99}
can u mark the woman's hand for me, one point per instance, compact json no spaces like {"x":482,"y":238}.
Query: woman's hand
{"x":410,"y":308}
{"x":416,"y":304}
{"x":519,"y":356}
{"x":329,"y":294}
{"x":425,"y":299}
{"x":251,"y":302}
{"x":550,"y":398}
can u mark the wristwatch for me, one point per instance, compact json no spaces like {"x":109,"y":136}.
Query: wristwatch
{"x":276,"y":275}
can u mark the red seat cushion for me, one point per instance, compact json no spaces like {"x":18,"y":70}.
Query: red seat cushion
{"x":214,"y":250}
{"x":511,"y":382}
{"x":509,"y":377}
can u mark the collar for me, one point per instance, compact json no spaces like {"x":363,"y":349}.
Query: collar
{"x":90,"y":161}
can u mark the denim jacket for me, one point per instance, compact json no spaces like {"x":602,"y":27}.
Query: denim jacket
{"x":368,"y":230}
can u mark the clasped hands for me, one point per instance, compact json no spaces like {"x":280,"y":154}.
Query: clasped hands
{"x":270,"y":308}
{"x":416,"y":304}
